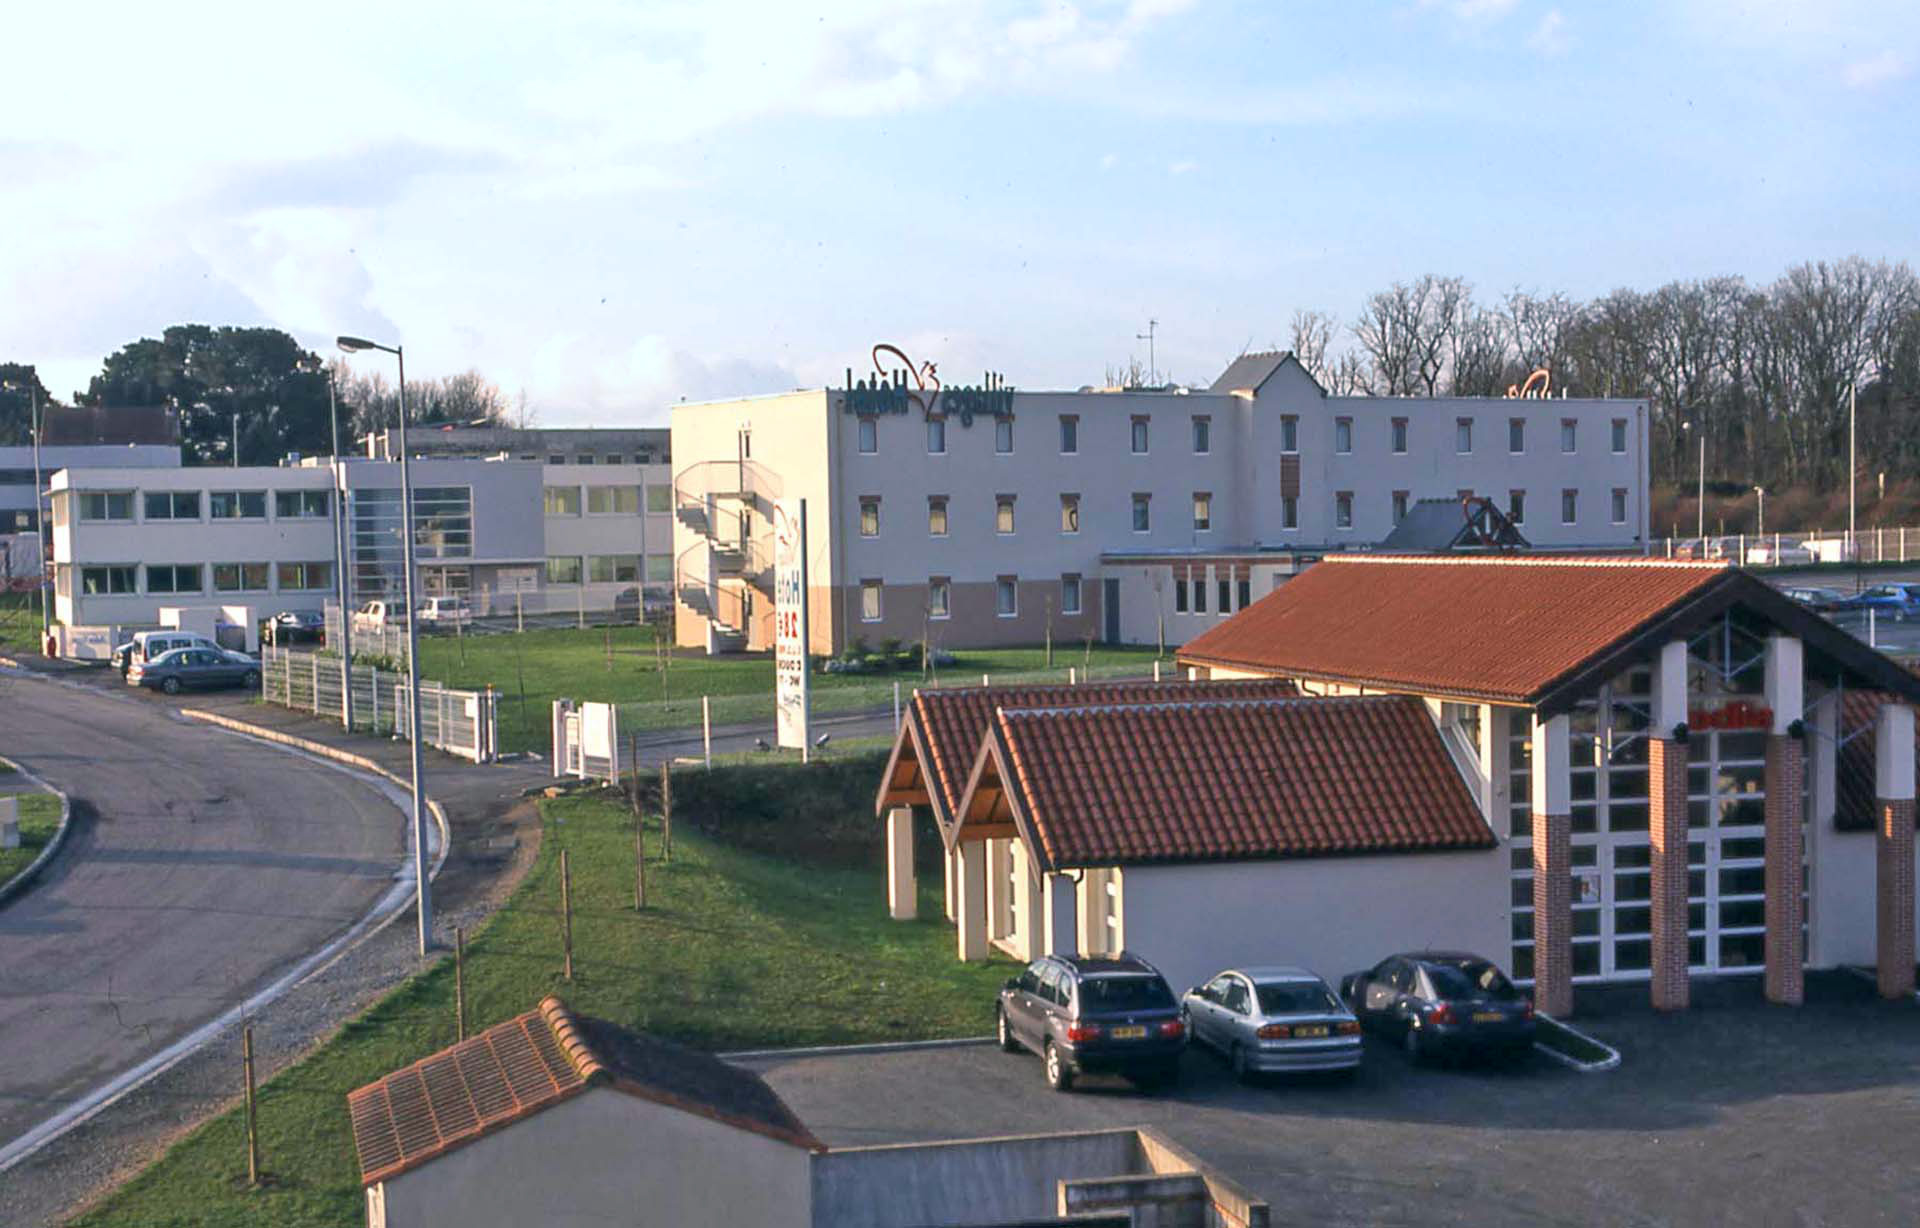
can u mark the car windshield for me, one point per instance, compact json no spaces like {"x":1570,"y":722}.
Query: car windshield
{"x":1295,"y":997}
{"x":1124,"y":993}
{"x":1470,"y":979}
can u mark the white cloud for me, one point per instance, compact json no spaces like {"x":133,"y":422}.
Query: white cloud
{"x":1182,"y":167}
{"x":1472,"y":10}
{"x":1109,"y":161}
{"x":578,"y":376}
{"x":1876,"y":70}
{"x":1550,"y":36}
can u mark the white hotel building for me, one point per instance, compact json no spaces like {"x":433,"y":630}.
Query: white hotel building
{"x":1127,"y":515}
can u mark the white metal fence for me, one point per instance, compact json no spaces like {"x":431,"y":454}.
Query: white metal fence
{"x":463,"y":723}
{"x":1862,"y":547}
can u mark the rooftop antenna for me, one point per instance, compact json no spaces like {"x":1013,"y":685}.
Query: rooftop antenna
{"x":1153,"y":371}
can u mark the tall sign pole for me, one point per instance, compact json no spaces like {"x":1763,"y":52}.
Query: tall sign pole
{"x":791,"y":631}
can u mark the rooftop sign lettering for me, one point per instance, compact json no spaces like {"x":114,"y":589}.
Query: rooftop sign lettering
{"x":894,"y":390}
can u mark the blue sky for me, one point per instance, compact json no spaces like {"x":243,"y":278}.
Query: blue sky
{"x":612,"y":206}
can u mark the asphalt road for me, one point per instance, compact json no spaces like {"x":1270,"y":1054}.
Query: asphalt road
{"x":199,"y":865}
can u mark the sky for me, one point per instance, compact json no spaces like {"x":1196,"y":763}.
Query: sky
{"x":609,"y":207}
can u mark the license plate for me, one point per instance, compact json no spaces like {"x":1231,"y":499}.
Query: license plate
{"x":1319,"y":1029}
{"x":1133,"y":1033}
{"x":1487,"y":1016}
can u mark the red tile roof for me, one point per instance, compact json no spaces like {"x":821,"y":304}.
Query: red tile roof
{"x":942,"y":731}
{"x":1497,"y":629}
{"x":1215,"y":781}
{"x":532,"y":1061}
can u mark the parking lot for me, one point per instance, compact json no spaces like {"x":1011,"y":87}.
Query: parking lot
{"x":1733,"y":1112}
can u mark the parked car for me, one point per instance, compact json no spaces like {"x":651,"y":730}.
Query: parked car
{"x":195,"y":669}
{"x":148,"y":645}
{"x":1094,"y":1013}
{"x":1438,"y":1003}
{"x":1273,"y":1020}
{"x":1896,"y":601}
{"x":296,"y":627}
{"x":1819,"y":600}
{"x":378,"y":616}
{"x":445,"y":612}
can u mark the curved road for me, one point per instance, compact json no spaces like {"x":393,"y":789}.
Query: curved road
{"x":199,"y":864}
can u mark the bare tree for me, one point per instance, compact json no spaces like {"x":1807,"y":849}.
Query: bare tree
{"x":1310,"y":335}
{"x":1408,"y":330}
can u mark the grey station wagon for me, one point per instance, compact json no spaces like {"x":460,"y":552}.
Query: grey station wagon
{"x":1087,"y":1013}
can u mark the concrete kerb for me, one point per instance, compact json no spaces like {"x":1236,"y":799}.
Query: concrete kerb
{"x":19,"y":882}
{"x":1610,"y":1062}
{"x":886,"y":1046}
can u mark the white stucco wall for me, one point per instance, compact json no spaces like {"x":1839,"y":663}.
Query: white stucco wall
{"x":1334,"y":915}
{"x":606,"y":1157}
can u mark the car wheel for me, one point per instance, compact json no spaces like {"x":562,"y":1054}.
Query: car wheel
{"x":251,"y":681}
{"x":1007,"y":1042}
{"x":170,"y":685}
{"x":1237,"y":1059}
{"x":1059,"y":1074}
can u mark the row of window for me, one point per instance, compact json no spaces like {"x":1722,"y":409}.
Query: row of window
{"x":939,"y":602}
{"x":1003,"y":514}
{"x":606,"y":500}
{"x":115,"y":579}
{"x":1516,"y":507}
{"x":1190,"y":597}
{"x":607,"y":568}
{"x":158,"y":505}
{"x":1397,"y":429}
{"x":1200,"y":437}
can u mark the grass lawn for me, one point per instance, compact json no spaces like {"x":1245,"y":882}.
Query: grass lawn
{"x":736,"y":949}
{"x":39,"y":819}
{"x":620,"y":665}
{"x":19,"y":620}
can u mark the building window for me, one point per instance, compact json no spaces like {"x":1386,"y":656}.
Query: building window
{"x":556,"y":459}
{"x":1139,"y":435}
{"x":869,"y":601}
{"x":171,"y":505}
{"x":302,"y":504}
{"x":1069,"y":594}
{"x":1289,"y":512}
{"x":107,"y":581}
{"x":936,"y":515}
{"x":1202,"y":511}
{"x":869,"y":436}
{"x":106,"y":505}
{"x":1517,"y":506}
{"x":299,"y":577}
{"x":1202,"y":434}
{"x":1569,"y":435}
{"x":1399,"y":436}
{"x":1246,"y":592}
{"x":1069,"y":513}
{"x":1343,"y":509}
{"x":1200,"y":593}
{"x":1619,"y":436}
{"x":939,"y":597}
{"x":562,"y":500}
{"x":1003,"y":514}
{"x":1006,"y":596}
{"x":1343,"y":435}
{"x":563,"y":569}
{"x":659,"y":500}
{"x":936,"y":436}
{"x":658,"y":568}
{"x":1003,"y":436}
{"x":1619,"y":508}
{"x":240,"y":578}
{"x":1069,"y":434}
{"x":869,"y":516}
{"x":1463,"y":435}
{"x":613,"y":500}
{"x":613,"y":568}
{"x":615,"y":458}
{"x":1142,"y":513}
{"x":1399,"y":506}
{"x":1225,"y":586}
{"x":173,"y":577}
{"x":1180,"y":596}
{"x":1289,"y":433}
{"x":585,"y":458}
{"x":237,"y":505}
{"x":1569,"y":506}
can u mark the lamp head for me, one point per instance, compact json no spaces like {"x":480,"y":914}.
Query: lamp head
{"x":355,"y":344}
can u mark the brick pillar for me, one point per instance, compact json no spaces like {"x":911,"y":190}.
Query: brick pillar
{"x":1552,"y":866}
{"x":1893,"y":762}
{"x":1786,"y":809}
{"x":1667,"y":836}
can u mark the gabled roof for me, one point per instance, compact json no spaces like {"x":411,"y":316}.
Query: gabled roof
{"x":1529,"y":631}
{"x":1250,"y":371}
{"x":534,"y":1061}
{"x":937,"y":742}
{"x":1220,"y":781}
{"x":1438,"y":525}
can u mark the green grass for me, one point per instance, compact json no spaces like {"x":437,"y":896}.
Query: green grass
{"x":736,"y":949}
{"x":39,"y":819}
{"x":621,"y":665}
{"x":19,"y":620}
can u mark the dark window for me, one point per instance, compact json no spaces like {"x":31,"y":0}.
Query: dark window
{"x":1470,"y":979}
{"x":1199,"y":596}
{"x":1294,"y":997}
{"x":299,"y":504}
{"x":1069,"y":433}
{"x":173,"y":505}
{"x":1246,"y":593}
{"x":1179,"y":596}
{"x":1226,"y":596}
{"x":1237,"y":999}
{"x":1124,"y":993}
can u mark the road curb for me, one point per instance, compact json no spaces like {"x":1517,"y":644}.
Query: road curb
{"x":1610,"y":1062}
{"x":21,"y":881}
{"x":885,"y":1046}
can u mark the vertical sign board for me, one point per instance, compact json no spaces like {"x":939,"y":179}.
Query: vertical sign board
{"x":790,"y":623}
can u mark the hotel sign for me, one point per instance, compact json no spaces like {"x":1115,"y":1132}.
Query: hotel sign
{"x":895,"y":390}
{"x":790,"y":630}
{"x":1735,"y":714}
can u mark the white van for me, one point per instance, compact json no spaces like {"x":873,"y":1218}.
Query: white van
{"x":146,"y":645}
{"x":445,"y":612}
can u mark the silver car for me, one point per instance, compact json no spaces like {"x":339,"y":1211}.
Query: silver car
{"x":1272,"y":1020}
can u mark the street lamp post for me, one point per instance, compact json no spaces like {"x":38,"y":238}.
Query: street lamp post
{"x":424,"y":896}
{"x":1760,"y":527}
{"x":340,"y":561}
{"x":1700,"y":499}
{"x":39,"y":517}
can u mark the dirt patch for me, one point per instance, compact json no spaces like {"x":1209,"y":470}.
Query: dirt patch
{"x":815,"y":812}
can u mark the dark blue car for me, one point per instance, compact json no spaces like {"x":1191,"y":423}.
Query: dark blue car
{"x":1896,"y":601}
{"x":1442,"y":1003}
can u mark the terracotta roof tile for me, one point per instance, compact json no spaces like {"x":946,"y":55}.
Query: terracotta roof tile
{"x":1501,"y":629}
{"x":536,"y":1060}
{"x":950,"y":722}
{"x":1221,"y":780}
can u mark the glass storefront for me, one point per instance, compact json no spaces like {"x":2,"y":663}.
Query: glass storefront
{"x":442,"y":529}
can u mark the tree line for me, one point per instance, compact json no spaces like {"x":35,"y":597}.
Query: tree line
{"x":264,"y":381}
{"x":1761,"y":374}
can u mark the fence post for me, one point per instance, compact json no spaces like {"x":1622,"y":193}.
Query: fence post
{"x":1903,"y":543}
{"x":1879,"y":548}
{"x":706,"y":733}
{"x":896,"y":706}
{"x":1156,"y":670}
{"x":313,"y":668}
{"x":666,"y":810}
{"x":374,"y":726}
{"x":253,"y":1124}
{"x":459,"y":984}
{"x":566,"y":913}
{"x":1073,"y":678}
{"x":639,"y":832}
{"x":985,"y":680}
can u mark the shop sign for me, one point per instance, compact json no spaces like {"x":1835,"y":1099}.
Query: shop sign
{"x":895,"y":390}
{"x":790,"y":624}
{"x":1735,"y":714}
